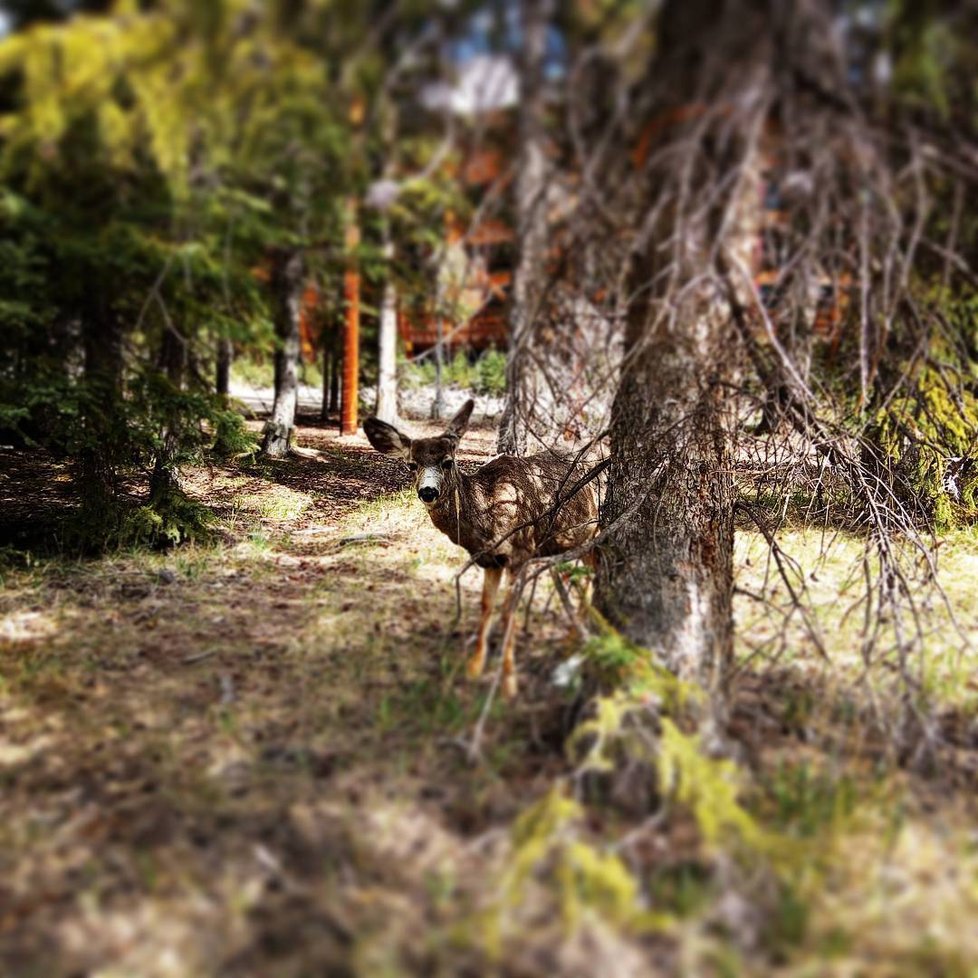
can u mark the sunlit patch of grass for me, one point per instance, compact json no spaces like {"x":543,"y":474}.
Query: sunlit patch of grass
{"x":191,"y":563}
{"x":277,"y":503}
{"x":243,"y":676}
{"x":830,"y":636}
{"x":27,"y":625}
{"x":895,"y":899}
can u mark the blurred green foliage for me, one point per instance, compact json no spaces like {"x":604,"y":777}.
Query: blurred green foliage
{"x":484,"y":375}
{"x":927,"y":433}
{"x":152,"y":159}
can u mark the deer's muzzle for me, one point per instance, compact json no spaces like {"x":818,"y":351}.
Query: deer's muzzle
{"x":429,"y":485}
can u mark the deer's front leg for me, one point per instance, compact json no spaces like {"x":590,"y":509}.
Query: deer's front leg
{"x":590,"y":561}
{"x":491,"y":577}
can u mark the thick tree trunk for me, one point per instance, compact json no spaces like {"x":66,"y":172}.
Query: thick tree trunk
{"x":387,"y":347}
{"x":287,"y":285}
{"x":528,"y":404}
{"x":666,"y":574}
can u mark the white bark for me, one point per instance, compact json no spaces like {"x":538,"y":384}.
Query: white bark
{"x":387,"y":342}
{"x":287,"y":283}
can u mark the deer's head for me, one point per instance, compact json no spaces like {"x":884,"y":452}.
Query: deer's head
{"x":432,"y":460}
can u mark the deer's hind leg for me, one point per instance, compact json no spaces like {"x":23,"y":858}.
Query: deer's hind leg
{"x":510,"y":684}
{"x":491,"y":577}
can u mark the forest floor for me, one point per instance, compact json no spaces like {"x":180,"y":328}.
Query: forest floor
{"x":261,"y":757}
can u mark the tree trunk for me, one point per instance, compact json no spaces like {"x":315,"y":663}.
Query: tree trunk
{"x":172,"y":362}
{"x":438,"y":404}
{"x":527,"y":401}
{"x":327,"y":377}
{"x":335,"y":365}
{"x":387,"y":343}
{"x":287,"y":289}
{"x":102,"y":347}
{"x":225,"y":354}
{"x":349,"y":407}
{"x":666,"y":572}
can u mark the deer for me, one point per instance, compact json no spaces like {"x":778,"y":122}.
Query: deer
{"x":504,"y":514}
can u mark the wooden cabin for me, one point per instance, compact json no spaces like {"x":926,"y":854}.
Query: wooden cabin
{"x":477,"y":274}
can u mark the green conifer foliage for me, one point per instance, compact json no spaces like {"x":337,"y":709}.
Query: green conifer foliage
{"x":150,"y":157}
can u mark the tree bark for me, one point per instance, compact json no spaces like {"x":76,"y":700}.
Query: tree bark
{"x":286,"y":284}
{"x":349,"y":402}
{"x":225,"y":354}
{"x":527,"y":401}
{"x":102,"y":347}
{"x":335,"y":364}
{"x":665,"y":576}
{"x":387,"y":344}
{"x":173,"y":363}
{"x":327,"y":377}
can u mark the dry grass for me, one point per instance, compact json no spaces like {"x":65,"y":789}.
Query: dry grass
{"x":248,"y":759}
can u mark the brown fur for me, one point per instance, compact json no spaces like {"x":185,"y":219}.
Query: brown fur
{"x":507,"y":512}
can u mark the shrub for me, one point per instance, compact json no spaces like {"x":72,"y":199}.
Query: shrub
{"x":487,"y":375}
{"x":491,"y":373}
{"x":231,"y":438}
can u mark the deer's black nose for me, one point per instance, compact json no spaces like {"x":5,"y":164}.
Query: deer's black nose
{"x":428,"y":494}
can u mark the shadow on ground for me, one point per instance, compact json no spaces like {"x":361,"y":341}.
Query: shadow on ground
{"x":192,"y":742}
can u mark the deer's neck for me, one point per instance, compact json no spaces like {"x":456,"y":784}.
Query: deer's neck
{"x":450,"y":512}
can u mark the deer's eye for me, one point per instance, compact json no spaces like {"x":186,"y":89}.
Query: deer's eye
{"x":413,"y":466}
{"x":446,"y":463}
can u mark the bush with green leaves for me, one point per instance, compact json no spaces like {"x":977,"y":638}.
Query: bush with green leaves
{"x":490,"y":371}
{"x":486,"y":376}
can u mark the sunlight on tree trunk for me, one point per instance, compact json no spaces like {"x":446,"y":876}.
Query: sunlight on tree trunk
{"x":287,"y":285}
{"x":387,"y":344}
{"x":666,"y":574}
{"x":349,"y":407}
{"x":528,"y":404}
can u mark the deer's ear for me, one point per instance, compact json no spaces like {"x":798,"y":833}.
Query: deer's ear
{"x":458,"y":424}
{"x":386,"y":438}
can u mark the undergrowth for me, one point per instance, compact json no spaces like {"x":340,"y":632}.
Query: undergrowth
{"x":486,"y":375}
{"x":635,"y":847}
{"x":928,"y":431}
